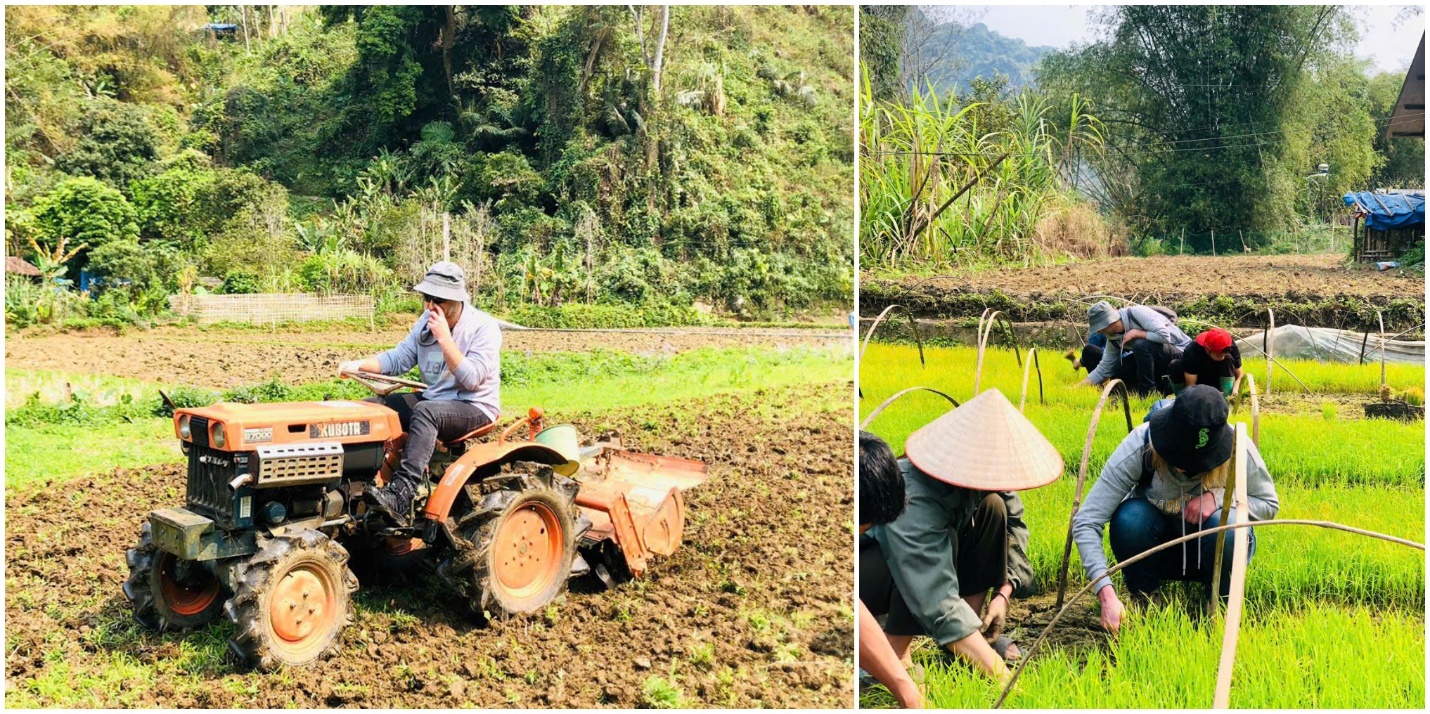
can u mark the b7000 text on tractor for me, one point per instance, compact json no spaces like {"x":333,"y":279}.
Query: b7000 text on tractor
{"x":275,"y":493}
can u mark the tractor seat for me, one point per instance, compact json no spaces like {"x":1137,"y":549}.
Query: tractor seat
{"x":459,"y":444}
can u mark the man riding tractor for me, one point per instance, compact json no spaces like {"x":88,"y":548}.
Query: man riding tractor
{"x":457,"y":348}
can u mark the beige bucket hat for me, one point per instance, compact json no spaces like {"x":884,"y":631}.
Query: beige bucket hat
{"x":985,"y":445}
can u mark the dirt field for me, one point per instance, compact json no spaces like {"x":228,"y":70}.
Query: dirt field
{"x":1309,"y":289}
{"x":228,"y":358}
{"x":763,"y":582}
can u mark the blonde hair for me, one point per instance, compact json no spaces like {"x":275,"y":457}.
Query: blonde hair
{"x":1214,"y":478}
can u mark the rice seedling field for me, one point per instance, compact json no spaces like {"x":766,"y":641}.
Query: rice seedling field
{"x":1331,"y":619}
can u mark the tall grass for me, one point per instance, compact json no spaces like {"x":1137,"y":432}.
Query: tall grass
{"x":1312,"y":657}
{"x":919,"y":151}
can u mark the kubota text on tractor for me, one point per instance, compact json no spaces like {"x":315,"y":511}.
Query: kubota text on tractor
{"x":275,"y":493}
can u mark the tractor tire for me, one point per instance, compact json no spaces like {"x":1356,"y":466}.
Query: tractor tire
{"x":169,"y":594}
{"x":516,"y":540}
{"x":292,"y":599}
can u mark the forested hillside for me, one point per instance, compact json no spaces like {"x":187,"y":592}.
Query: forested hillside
{"x":602,"y":155}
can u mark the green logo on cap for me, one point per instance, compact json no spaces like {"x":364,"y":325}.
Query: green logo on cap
{"x":1203,"y":437}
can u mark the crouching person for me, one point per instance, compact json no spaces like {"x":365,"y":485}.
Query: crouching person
{"x":881,"y":500}
{"x":1141,"y":344}
{"x":1164,"y":481}
{"x":947,"y":567}
{"x":1212,"y":359}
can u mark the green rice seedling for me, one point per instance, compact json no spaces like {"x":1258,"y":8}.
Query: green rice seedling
{"x":1311,"y":657}
{"x":1328,"y":411}
{"x":1292,"y":563}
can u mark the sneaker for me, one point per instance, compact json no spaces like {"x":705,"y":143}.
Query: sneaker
{"x":394,"y":505}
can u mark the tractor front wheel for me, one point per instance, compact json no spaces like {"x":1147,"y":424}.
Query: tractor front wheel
{"x":291,"y":600}
{"x":518,"y":541}
{"x":169,"y":593}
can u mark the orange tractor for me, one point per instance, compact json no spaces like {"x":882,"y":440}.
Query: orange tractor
{"x":274,"y":495}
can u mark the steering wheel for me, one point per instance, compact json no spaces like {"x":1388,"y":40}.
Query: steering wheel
{"x":381,"y":384}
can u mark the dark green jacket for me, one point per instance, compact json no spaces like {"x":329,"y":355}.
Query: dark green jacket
{"x":918,"y":547}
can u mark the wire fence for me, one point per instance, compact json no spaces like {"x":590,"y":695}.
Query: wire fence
{"x":272,"y":308}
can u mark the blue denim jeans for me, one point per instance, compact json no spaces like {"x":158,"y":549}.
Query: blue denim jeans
{"x":1137,"y":526}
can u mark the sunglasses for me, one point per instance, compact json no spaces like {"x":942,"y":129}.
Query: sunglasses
{"x":435,"y":301}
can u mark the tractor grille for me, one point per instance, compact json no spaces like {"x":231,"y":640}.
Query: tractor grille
{"x":199,"y":429}
{"x":209,"y":473}
{"x":292,"y":464}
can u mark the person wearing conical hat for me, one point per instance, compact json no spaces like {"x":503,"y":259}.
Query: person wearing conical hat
{"x":1164,"y":481}
{"x":1142,"y":341}
{"x":881,"y":500}
{"x":947,"y":567}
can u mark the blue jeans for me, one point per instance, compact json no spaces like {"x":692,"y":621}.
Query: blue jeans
{"x":1137,"y":526}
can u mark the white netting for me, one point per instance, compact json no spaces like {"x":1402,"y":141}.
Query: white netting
{"x":1331,"y":345}
{"x":272,"y":307}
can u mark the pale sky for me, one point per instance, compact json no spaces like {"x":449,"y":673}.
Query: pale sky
{"x":1391,"y":46}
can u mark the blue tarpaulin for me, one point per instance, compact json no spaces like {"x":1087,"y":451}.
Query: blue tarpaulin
{"x":1388,"y":210}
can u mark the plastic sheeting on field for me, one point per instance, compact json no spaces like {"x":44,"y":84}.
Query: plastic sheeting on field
{"x":1388,"y":210}
{"x":1327,"y":344}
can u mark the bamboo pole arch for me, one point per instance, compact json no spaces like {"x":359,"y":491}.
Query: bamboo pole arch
{"x":1082,"y":473}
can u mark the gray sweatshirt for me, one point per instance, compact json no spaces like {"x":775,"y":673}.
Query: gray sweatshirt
{"x":477,"y":379}
{"x":1137,"y":317}
{"x":1169,"y":491}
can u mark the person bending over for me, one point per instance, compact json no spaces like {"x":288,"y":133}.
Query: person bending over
{"x":1212,"y":359}
{"x":1164,"y":481}
{"x":881,"y":500}
{"x":1142,"y":336}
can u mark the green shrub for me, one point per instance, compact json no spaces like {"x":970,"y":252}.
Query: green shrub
{"x":185,"y":397}
{"x":116,"y":143}
{"x":239,"y":282}
{"x":576,"y":315}
{"x":85,"y":211}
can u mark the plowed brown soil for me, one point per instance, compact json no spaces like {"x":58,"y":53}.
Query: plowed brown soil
{"x":762,"y":583}
{"x":1313,"y":290}
{"x":1264,"y":275}
{"x":229,"y":358}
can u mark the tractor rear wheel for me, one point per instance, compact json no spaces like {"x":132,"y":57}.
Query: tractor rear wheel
{"x":291,"y":600}
{"x":169,"y":593}
{"x":517,"y":539}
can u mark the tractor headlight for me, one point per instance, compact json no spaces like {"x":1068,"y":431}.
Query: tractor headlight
{"x":216,"y":436}
{"x":184,"y":432}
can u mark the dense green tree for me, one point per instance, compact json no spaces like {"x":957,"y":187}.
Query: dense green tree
{"x":1403,"y":159}
{"x":881,"y":35}
{"x":85,"y":212}
{"x":1202,"y":104}
{"x":117,"y":144}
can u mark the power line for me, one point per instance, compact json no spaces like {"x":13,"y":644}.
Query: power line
{"x":1403,"y":119}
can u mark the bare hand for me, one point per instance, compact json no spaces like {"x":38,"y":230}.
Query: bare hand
{"x":1113,"y":613}
{"x":1200,"y":508}
{"x":994,"y":619}
{"x":437,"y":323}
{"x":1131,"y":335}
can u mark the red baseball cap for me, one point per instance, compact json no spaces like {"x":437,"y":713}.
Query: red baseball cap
{"x":1215,"y":340}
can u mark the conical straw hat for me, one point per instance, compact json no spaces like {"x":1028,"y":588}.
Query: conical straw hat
{"x":985,"y":445}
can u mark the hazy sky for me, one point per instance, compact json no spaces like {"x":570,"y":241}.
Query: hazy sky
{"x":1390,"y":46}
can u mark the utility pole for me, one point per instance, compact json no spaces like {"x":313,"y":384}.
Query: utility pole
{"x":446,"y":236}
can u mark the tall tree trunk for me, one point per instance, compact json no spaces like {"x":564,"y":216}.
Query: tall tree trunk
{"x":658,"y":63}
{"x":449,"y":40}
{"x":243,"y":20}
